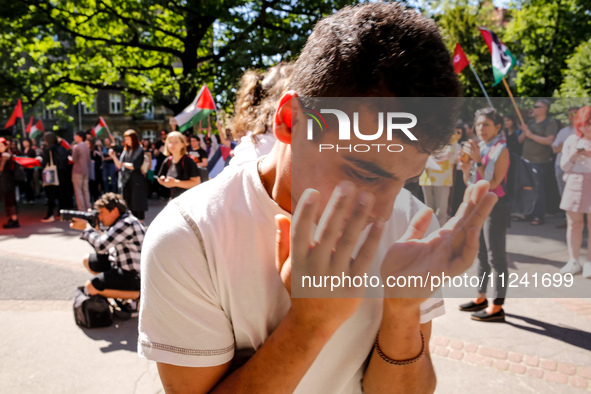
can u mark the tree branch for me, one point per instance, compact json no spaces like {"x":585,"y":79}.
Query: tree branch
{"x":127,"y":20}
{"x":134,"y":43}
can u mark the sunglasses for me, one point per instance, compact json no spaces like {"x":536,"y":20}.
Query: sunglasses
{"x":539,"y":106}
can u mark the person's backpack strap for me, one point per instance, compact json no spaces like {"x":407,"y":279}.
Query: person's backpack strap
{"x":193,"y":225}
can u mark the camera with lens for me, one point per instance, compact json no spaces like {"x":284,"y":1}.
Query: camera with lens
{"x":91,"y":217}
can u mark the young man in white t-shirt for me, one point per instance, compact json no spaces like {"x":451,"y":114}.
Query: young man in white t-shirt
{"x":217,"y":262}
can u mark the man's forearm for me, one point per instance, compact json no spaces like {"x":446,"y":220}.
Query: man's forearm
{"x":283,"y":360}
{"x":400,"y":339}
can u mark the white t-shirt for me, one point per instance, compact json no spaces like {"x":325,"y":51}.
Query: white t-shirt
{"x":195,"y":309}
{"x":561,"y":137}
{"x":247,"y":151}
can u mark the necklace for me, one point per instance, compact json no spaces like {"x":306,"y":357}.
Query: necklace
{"x":261,"y":172}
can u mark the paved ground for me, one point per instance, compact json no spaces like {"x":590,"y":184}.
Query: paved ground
{"x":545,"y":346}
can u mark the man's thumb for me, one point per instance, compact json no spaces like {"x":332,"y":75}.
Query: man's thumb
{"x":418,"y":225}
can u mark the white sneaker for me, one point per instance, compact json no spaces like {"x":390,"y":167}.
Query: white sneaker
{"x":572,"y":267}
{"x":48,"y":220}
{"x":587,"y":270}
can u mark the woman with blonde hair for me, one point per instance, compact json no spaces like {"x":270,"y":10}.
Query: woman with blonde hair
{"x":179,"y":171}
{"x":131,"y":179}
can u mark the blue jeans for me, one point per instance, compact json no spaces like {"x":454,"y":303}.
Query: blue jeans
{"x":110,"y":177}
{"x":540,"y":176}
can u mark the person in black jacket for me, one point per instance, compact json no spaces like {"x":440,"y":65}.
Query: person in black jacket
{"x":8,"y":184}
{"x":55,"y":153}
{"x":131,"y":180}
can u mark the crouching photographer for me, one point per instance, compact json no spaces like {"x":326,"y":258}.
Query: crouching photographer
{"x":116,"y":262}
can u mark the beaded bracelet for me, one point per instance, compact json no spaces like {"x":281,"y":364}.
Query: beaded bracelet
{"x":402,"y":362}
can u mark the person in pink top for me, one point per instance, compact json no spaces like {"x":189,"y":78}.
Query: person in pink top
{"x":576,"y":198}
{"x":489,"y":160}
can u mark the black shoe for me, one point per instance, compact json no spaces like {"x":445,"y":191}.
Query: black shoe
{"x":473,"y":307}
{"x":12,"y":224}
{"x":498,"y":317}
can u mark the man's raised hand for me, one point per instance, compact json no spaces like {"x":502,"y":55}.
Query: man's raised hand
{"x":450,"y":250}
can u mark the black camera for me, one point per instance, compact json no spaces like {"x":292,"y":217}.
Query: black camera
{"x":91,"y":217}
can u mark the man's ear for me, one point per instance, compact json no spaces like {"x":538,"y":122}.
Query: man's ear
{"x":286,"y":113}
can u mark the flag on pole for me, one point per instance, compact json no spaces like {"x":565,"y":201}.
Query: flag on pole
{"x":502,"y":59}
{"x":198,"y":110}
{"x":460,"y":60}
{"x":37,"y":130}
{"x":34,"y":130}
{"x":99,"y":129}
{"x":17,"y":113}
{"x":65,"y":144}
{"x":28,"y":129}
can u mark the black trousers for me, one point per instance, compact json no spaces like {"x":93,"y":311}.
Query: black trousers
{"x":492,"y":251}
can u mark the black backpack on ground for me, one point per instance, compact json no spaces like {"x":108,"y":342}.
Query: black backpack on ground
{"x":91,"y":311}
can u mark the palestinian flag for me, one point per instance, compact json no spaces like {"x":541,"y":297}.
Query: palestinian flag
{"x":27,"y":162}
{"x":502,"y":59}
{"x":99,"y":129}
{"x":202,"y":106}
{"x":17,"y":113}
{"x":35,"y":130}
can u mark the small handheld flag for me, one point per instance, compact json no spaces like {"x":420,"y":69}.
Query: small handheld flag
{"x":198,"y":110}
{"x":100,"y":129}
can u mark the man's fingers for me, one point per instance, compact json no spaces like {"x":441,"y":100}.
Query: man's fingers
{"x":355,"y":225}
{"x":368,"y":250}
{"x":418,"y":225}
{"x":480,"y":189}
{"x":475,"y":219}
{"x":333,"y":218}
{"x":303,"y":219}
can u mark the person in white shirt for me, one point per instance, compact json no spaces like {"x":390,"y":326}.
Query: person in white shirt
{"x":561,"y":137}
{"x":217,"y":263}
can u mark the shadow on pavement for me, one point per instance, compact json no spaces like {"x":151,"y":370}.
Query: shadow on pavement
{"x":578,"y":338}
{"x":527,"y":259}
{"x":122,"y":335}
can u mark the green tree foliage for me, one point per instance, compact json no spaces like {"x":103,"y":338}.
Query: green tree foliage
{"x":543,"y":35}
{"x":577,"y":76}
{"x":160,"y":49}
{"x":459,"y":21}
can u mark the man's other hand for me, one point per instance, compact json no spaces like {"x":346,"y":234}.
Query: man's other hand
{"x":79,"y":224}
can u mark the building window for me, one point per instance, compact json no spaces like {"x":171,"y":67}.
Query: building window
{"x":149,"y":135}
{"x":91,"y":109}
{"x":49,"y":114}
{"x":147,"y":109}
{"x":116,"y":103}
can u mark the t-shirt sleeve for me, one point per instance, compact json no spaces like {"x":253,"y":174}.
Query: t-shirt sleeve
{"x":181,"y":320}
{"x":191,"y":168}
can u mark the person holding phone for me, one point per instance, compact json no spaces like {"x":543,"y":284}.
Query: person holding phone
{"x":489,"y":160}
{"x":576,"y":199}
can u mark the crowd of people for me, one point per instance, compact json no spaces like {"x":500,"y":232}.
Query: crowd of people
{"x":89,"y":167}
{"x":486,"y":150}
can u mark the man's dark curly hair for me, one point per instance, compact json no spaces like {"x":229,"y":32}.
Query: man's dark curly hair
{"x":379,"y":50}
